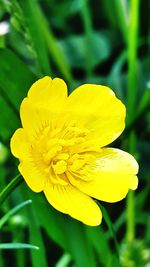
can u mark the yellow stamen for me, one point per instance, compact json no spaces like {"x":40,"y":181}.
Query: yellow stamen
{"x":60,"y":167}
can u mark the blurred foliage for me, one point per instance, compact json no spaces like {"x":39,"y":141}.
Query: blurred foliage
{"x":80,"y":41}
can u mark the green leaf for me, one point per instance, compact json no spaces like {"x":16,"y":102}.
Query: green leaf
{"x":15,"y":77}
{"x":74,"y":48}
{"x":15,"y":80}
{"x":115,"y":78}
{"x":7,"y":125}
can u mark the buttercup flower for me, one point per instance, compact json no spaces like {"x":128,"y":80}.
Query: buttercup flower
{"x":61,"y":147}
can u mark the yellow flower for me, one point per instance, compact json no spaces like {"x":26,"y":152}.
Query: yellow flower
{"x":61,"y":147}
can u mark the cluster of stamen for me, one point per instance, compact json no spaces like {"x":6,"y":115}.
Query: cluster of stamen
{"x":63,"y":153}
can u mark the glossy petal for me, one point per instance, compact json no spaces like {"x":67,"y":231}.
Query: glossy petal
{"x":39,"y":109}
{"x":96,"y":108}
{"x":34,"y":120}
{"x":69,"y":200}
{"x":19,"y":144}
{"x":112,"y":176}
{"x":47,"y":92}
{"x":34,"y":178}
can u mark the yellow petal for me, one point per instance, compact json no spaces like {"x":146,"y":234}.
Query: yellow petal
{"x":19,"y":144}
{"x":69,"y":200}
{"x":49,"y":94}
{"x":34,"y":120}
{"x":41,"y":108}
{"x":97,"y":108}
{"x":34,"y":178}
{"x":112,"y":176}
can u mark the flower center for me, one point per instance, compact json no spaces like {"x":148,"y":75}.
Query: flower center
{"x":65,"y":152}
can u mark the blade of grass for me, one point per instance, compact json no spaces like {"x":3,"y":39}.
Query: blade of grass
{"x":38,"y":259}
{"x":108,"y":6}
{"x":116,"y":13}
{"x":10,"y":188}
{"x":121,"y":10}
{"x":18,"y":235}
{"x":49,"y":219}
{"x":139,"y":205}
{"x":54,"y":50}
{"x":1,"y":260}
{"x":31,"y":13}
{"x":64,"y":261}
{"x":98,"y":238}
{"x":87,"y":23}
{"x":17,"y":246}
{"x":45,"y":33}
{"x":79,"y":246}
{"x":11,"y":212}
{"x":110,"y":227}
{"x":57,"y":54}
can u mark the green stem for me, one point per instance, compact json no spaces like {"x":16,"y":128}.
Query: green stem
{"x":130,"y":217}
{"x":132,"y":57}
{"x":10,"y":188}
{"x":130,"y":208}
{"x":131,"y":101}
